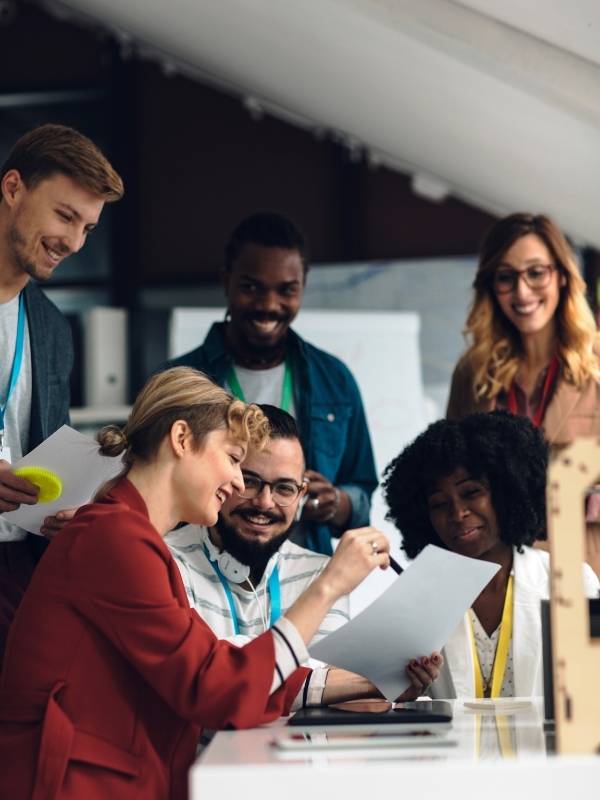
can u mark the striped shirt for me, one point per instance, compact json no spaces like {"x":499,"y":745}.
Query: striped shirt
{"x":297,"y":568}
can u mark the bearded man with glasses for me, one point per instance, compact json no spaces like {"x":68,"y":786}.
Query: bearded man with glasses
{"x":244,"y":570}
{"x":243,"y":573}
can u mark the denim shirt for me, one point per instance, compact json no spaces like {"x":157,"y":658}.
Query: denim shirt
{"x":330,"y":416}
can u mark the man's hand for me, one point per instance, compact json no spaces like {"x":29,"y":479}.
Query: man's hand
{"x":422,"y":672}
{"x":53,"y":525}
{"x":326,"y":503}
{"x":15,"y":490}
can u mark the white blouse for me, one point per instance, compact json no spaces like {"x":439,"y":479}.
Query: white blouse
{"x":486,"y":652}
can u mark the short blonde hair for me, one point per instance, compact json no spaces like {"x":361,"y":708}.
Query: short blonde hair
{"x":495,"y":345}
{"x":180,"y":393}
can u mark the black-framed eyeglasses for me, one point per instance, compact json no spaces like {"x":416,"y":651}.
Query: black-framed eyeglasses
{"x":536,"y":276}
{"x":283,"y":492}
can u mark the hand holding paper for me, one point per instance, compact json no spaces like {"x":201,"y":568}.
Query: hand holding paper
{"x":14,"y":490}
{"x":54,"y":524}
{"x":415,"y":616}
{"x":80,"y":469}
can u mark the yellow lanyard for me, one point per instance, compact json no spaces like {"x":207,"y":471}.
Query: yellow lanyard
{"x":503,"y":734}
{"x":502,"y":648}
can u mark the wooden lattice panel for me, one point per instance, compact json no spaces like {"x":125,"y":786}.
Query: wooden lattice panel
{"x":575,"y":655}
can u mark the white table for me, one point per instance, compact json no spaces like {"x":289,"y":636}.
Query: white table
{"x":499,"y":756}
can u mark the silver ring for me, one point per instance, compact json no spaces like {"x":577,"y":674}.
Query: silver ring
{"x":374,"y":547}
{"x":315,"y":502}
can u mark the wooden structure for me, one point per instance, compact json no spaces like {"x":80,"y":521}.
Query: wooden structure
{"x":575,"y":655}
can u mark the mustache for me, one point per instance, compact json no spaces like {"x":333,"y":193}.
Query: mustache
{"x":246,"y":513}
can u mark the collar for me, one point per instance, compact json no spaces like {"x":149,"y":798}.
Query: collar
{"x":125,"y":492}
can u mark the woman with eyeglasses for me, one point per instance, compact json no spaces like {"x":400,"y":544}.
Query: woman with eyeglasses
{"x":533,"y":345}
{"x":109,"y":676}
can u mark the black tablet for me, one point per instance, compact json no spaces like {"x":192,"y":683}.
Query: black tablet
{"x":419,"y":713}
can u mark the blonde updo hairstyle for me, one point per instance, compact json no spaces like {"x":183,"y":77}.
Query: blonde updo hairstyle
{"x":180,"y":393}
{"x":495,"y":345}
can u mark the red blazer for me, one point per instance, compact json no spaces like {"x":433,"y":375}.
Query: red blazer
{"x":109,"y":676}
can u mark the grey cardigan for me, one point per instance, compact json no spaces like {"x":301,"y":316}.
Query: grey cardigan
{"x":51,"y":363}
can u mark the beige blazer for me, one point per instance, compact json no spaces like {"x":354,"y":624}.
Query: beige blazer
{"x":571,"y":413}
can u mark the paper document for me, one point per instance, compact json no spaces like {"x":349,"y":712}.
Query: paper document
{"x":413,"y":617}
{"x":76,"y":460}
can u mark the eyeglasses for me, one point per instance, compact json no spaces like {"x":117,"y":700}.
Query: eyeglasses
{"x":536,"y":276}
{"x":283,"y":492}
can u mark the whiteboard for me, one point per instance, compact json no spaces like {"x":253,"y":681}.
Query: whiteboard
{"x":382,"y":350}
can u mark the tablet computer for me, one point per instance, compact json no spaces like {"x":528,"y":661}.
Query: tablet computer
{"x":353,"y":740}
{"x":418,"y":714}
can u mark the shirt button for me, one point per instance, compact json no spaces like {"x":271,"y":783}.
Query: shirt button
{"x":330,"y":417}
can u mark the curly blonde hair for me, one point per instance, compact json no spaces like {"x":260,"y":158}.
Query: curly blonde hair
{"x":180,"y":393}
{"x":495,"y":347}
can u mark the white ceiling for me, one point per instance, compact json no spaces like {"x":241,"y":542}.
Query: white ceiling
{"x":495,"y":101}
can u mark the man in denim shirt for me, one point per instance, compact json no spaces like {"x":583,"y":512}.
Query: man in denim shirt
{"x":256,"y":355}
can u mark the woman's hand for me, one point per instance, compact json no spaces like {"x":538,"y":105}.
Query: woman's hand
{"x":342,"y":686}
{"x":358,"y":553}
{"x":421,"y":672}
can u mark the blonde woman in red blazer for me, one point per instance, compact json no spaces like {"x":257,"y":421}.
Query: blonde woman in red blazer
{"x":109,"y":676}
{"x":533,"y":345}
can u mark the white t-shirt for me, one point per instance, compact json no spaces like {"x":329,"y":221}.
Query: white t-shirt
{"x":18,"y":412}
{"x":263,"y":385}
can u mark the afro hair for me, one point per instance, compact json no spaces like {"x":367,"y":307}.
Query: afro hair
{"x":504,"y":450}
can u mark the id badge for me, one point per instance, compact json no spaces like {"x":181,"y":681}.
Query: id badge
{"x":5,"y":453}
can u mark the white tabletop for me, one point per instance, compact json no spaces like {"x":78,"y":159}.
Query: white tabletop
{"x":496,"y":754}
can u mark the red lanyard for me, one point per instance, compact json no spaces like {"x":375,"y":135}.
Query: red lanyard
{"x":548,"y":385}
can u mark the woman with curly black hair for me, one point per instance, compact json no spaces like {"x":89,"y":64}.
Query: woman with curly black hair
{"x":477,"y":487}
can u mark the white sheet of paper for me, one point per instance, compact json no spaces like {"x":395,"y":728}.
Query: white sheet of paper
{"x":413,"y":617}
{"x":75,"y":458}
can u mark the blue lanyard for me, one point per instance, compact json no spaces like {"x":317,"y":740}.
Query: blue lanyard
{"x":17,"y":361}
{"x":273,"y":589}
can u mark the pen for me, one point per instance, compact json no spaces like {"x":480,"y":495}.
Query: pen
{"x":396,"y":566}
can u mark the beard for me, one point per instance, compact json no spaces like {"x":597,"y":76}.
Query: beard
{"x":19,"y":245}
{"x":251,"y":552}
{"x":20,"y":257}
